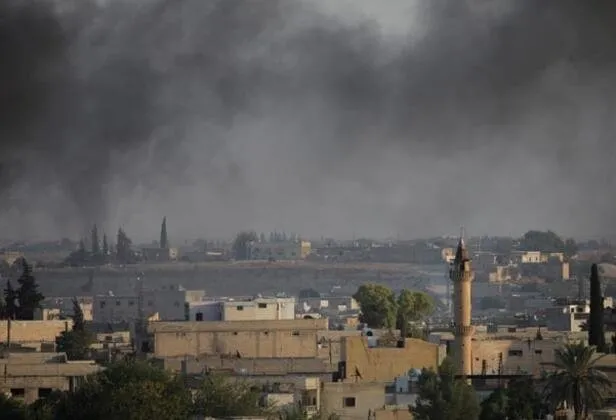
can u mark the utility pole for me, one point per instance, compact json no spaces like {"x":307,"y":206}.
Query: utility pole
{"x":140,"y":322}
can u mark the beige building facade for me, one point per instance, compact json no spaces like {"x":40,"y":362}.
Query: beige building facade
{"x":30,"y":376}
{"x":258,"y":339}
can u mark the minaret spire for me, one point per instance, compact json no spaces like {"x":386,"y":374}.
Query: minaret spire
{"x":462,"y":276}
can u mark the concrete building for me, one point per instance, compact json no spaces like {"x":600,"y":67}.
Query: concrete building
{"x":30,"y":376}
{"x":461,"y":275}
{"x":363,"y":359}
{"x":171,"y":304}
{"x":291,"y":250}
{"x":159,"y":254}
{"x":62,"y":307}
{"x":257,"y":339}
{"x":570,"y":315}
{"x":243,"y":309}
{"x":33,"y":334}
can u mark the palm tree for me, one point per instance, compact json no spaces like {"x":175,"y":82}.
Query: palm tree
{"x":577,"y":382}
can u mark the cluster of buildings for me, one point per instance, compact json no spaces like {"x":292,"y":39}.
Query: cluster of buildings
{"x":289,"y":347}
{"x":517,"y":267}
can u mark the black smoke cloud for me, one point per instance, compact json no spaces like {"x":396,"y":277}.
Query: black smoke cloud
{"x":277,"y":114}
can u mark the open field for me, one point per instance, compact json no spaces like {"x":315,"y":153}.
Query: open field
{"x":228,"y":278}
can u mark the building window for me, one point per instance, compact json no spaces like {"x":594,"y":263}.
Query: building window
{"x":199,"y":316}
{"x":239,"y":308}
{"x":102,"y":304}
{"x":131,"y":303}
{"x":538,"y":351}
{"x":262,"y":305}
{"x":118,"y":303}
{"x":515,"y":353}
{"x":348,"y":402}
{"x":295,"y":332}
{"x":18,"y":392}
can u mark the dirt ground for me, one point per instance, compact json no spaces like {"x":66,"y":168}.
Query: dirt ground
{"x":225,"y":279}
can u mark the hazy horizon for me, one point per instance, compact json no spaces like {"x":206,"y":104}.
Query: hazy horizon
{"x":402,"y":118}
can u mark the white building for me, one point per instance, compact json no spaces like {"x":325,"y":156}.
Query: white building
{"x":243,"y":309}
{"x":571,"y":316}
{"x":170,"y":304}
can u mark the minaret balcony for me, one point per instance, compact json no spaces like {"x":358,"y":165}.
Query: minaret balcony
{"x":464,"y":330}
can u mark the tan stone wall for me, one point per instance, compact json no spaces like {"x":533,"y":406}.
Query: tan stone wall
{"x":518,"y":355}
{"x":367,"y":397}
{"x":385,"y":363}
{"x":33,"y":331}
{"x":396,"y":414}
{"x":264,"y":339}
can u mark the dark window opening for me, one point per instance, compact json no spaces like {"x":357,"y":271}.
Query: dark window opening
{"x":295,"y":332}
{"x":239,"y":308}
{"x":515,"y":353}
{"x":18,"y":392}
{"x":199,"y":316}
{"x":348,"y":401}
{"x":262,"y":305}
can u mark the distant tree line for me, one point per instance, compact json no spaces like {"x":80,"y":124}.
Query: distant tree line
{"x":102,"y":252}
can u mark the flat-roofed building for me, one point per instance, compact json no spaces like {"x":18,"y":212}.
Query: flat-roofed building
{"x":30,"y":376}
{"x":243,"y":309}
{"x":256,"y":339}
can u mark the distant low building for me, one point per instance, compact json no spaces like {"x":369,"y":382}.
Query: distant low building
{"x":30,"y":376}
{"x":291,"y":250}
{"x":243,"y":309}
{"x":169,"y":304}
{"x":159,"y":254}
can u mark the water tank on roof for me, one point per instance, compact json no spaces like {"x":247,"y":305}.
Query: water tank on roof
{"x":367,"y":332}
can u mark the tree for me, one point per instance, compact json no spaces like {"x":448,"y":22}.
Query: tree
{"x":96,"y":247}
{"x":11,"y":409}
{"x":535,"y":240}
{"x":524,"y":402}
{"x":131,"y":390}
{"x":10,"y":307}
{"x":219,"y":397}
{"x":520,"y":400}
{"x":495,"y":406}
{"x":241,"y":245}
{"x":76,"y":343}
{"x":412,"y":307}
{"x":28,"y":296}
{"x":105,"y":247}
{"x":163,"y":234}
{"x":577,"y":381}
{"x":124,"y":253}
{"x":443,"y":397}
{"x":571,"y":248}
{"x":378,"y":305}
{"x":596,"y":334}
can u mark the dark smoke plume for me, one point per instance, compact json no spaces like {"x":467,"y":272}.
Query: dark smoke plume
{"x":278,"y":114}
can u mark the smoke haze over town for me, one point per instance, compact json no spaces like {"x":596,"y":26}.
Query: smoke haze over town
{"x":379,"y":118}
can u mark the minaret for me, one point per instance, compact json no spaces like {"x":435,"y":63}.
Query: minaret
{"x":461,"y":275}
